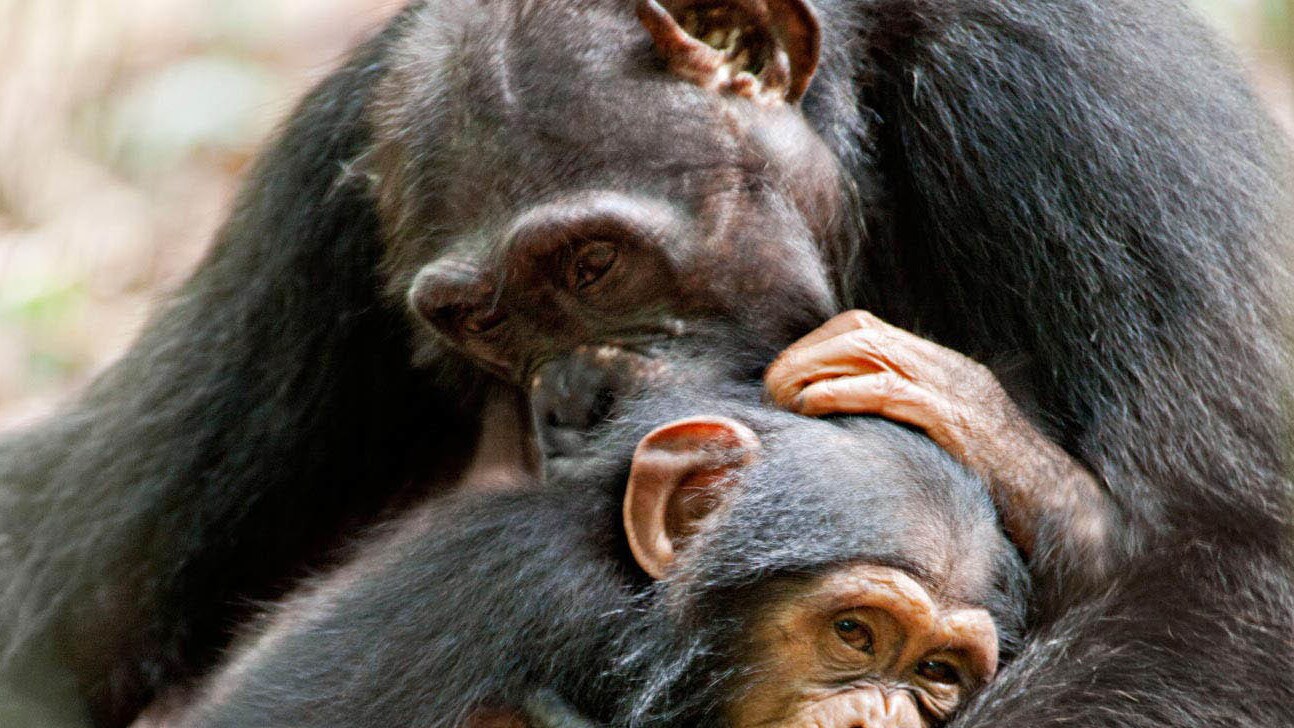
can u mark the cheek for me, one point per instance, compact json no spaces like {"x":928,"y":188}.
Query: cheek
{"x":864,"y":707}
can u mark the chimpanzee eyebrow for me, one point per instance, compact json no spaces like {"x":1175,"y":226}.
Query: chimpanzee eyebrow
{"x":912,"y":567}
{"x":899,"y":562}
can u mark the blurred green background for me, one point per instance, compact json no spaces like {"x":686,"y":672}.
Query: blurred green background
{"x":125,"y":124}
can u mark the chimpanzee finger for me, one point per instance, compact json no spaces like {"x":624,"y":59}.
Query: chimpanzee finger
{"x":839,"y":324}
{"x":857,"y":320}
{"x":888,"y":395}
{"x":873,"y":346}
{"x":836,"y":325}
{"x":855,"y":352}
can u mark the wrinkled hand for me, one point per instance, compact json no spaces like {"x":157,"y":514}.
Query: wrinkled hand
{"x":856,"y":363}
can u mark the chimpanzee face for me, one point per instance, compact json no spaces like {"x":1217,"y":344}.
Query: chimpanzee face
{"x":866,"y":645}
{"x":588,"y":177}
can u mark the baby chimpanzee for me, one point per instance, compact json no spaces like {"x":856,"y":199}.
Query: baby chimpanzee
{"x":760,"y":569}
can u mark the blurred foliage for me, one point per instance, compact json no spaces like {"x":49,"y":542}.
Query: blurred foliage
{"x":124,"y":127}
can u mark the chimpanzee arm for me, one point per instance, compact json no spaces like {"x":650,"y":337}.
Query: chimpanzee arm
{"x":1088,"y":185}
{"x":270,"y":404}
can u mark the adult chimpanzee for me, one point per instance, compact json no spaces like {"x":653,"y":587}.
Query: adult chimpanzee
{"x":812,"y":573}
{"x":1186,"y":622}
{"x":1078,"y":189}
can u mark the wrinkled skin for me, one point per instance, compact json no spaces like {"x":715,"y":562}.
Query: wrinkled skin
{"x":725,"y":222}
{"x":517,"y":286}
{"x":902,"y":660}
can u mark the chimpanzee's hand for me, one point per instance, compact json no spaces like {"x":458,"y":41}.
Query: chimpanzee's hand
{"x":857,"y":363}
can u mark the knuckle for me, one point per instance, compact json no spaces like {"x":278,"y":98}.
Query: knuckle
{"x":982,"y":379}
{"x":826,"y":389}
{"x":862,"y":319}
{"x":978,"y":370}
{"x":891,"y":386}
{"x":823,"y":396}
{"x":866,"y":341}
{"x":788,"y":360}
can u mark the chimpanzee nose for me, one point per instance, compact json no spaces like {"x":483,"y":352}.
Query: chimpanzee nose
{"x":451,"y":295}
{"x":569,"y":396}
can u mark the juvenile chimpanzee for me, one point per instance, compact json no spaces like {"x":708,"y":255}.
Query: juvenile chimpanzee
{"x":832,"y":574}
{"x":1079,"y":191}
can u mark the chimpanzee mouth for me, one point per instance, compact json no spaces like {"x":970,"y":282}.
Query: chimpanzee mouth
{"x":572,"y":394}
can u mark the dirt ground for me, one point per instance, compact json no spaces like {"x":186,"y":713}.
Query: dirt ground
{"x":124,"y":127}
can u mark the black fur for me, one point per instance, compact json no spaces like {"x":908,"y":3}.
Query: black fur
{"x":1192,"y":636}
{"x":487,"y":599}
{"x":1082,"y":189}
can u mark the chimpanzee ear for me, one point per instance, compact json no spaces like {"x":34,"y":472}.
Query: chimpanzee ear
{"x":765,"y":50}
{"x":679,"y":472}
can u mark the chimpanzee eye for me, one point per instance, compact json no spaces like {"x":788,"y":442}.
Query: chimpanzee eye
{"x":855,"y":633}
{"x":938,"y":672}
{"x":590,"y":263}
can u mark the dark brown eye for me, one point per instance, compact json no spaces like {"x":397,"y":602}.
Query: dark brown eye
{"x":589,"y":264}
{"x":854,"y":633}
{"x":939,"y":672}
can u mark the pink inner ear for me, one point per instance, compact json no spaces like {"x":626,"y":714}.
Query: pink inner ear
{"x":738,"y":46}
{"x":676,"y":470}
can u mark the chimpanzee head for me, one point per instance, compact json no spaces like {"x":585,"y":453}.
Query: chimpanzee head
{"x":836,"y":573}
{"x":611,"y":176}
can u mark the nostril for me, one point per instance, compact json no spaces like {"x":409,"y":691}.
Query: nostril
{"x":450,"y":295}
{"x":479,"y":321}
{"x":571,"y":396}
{"x":451,"y":320}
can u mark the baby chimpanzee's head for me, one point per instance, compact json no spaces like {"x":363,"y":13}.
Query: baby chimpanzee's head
{"x":832,"y":573}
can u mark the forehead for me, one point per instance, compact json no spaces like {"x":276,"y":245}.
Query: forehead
{"x":872,"y":492}
{"x":518,"y":101}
